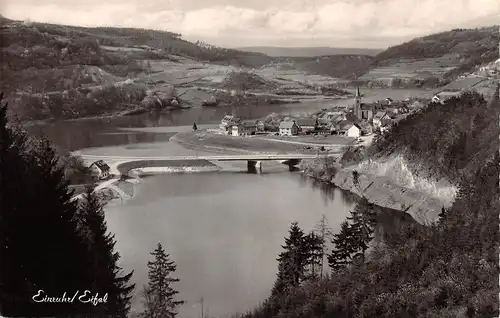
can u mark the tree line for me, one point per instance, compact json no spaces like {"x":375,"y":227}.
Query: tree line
{"x":448,"y":268}
{"x":52,"y":246}
{"x":304,"y":254}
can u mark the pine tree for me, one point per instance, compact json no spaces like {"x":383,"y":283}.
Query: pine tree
{"x":107,"y":278}
{"x":15,"y":283}
{"x":324,"y":232}
{"x":292,"y":262}
{"x":195,"y":128}
{"x":363,"y":220}
{"x":343,"y":249}
{"x":41,"y":247}
{"x":159,"y":294}
{"x":313,"y":249}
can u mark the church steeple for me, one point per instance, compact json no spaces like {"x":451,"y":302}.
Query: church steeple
{"x":357,"y":104}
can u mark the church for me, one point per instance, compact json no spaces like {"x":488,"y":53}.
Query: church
{"x":361,"y":114}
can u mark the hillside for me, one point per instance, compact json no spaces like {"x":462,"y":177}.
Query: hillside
{"x":275,"y":51}
{"x":56,"y":71}
{"x":338,"y":66}
{"x":434,"y":60}
{"x":444,"y":269}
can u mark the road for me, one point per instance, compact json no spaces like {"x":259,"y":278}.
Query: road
{"x":256,"y":157}
{"x":102,"y":185}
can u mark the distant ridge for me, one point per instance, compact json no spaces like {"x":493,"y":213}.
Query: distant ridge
{"x":276,"y":51}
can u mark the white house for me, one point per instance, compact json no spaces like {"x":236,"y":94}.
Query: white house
{"x":288,"y":128}
{"x":228,"y":121}
{"x":100,"y":169}
{"x":349,"y":129}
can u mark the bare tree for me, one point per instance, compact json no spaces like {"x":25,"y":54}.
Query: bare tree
{"x":323,"y":230}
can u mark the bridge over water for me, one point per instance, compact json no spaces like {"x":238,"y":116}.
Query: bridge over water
{"x":253,"y":160}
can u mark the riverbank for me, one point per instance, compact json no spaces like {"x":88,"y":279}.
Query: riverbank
{"x":150,"y":167}
{"x":379,"y":190}
{"x":212,"y":142}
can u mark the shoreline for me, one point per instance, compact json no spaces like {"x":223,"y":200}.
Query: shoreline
{"x":383,"y":192}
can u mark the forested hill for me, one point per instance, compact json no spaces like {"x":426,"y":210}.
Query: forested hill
{"x":452,"y":140}
{"x":436,"y":59}
{"x":448,"y":269}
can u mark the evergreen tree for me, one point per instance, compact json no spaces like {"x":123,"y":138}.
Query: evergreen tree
{"x":41,"y":247}
{"x":343,"y":249}
{"x":292,"y":262}
{"x":15,"y":283}
{"x":107,"y":278}
{"x":195,"y":128}
{"x":363,"y":220}
{"x":313,"y":248}
{"x":159,"y":294}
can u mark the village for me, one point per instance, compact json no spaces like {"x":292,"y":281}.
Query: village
{"x":354,"y":121}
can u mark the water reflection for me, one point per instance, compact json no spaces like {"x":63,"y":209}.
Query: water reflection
{"x":224,"y":230}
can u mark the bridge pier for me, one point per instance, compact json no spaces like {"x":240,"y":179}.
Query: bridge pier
{"x":291,"y":163}
{"x":254,"y":166}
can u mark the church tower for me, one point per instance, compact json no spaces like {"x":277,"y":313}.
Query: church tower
{"x":357,"y":104}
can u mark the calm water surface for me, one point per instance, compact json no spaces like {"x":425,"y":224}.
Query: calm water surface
{"x":224,"y":231}
{"x":78,"y":134}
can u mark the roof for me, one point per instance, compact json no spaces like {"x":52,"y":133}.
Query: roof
{"x":379,"y":115}
{"x":287,"y":124}
{"x":346,"y":124}
{"x":307,"y":122}
{"x":101,"y":165}
{"x":247,"y":124}
{"x":230,"y":118}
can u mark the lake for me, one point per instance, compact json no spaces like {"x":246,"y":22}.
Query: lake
{"x":101,"y":132}
{"x":224,"y":230}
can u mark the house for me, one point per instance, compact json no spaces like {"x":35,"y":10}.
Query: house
{"x":378,"y":118}
{"x":100,"y":169}
{"x":228,"y":121}
{"x":288,"y":128}
{"x":307,"y":125}
{"x":243,"y":129}
{"x":348,"y":128}
{"x":444,"y":96}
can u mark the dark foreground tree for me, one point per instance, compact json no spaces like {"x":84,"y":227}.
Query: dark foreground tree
{"x":313,"y":249}
{"x":342,"y":249}
{"x":354,"y":237}
{"x":362,"y":223}
{"x":159,"y":301}
{"x":107,"y":275}
{"x":41,"y":251}
{"x":293,"y":261}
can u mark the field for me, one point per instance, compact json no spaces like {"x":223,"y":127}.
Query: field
{"x":320,"y":140}
{"x":211,"y":142}
{"x":62,"y":72}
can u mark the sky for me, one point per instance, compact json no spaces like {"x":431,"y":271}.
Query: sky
{"x":294,"y":23}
